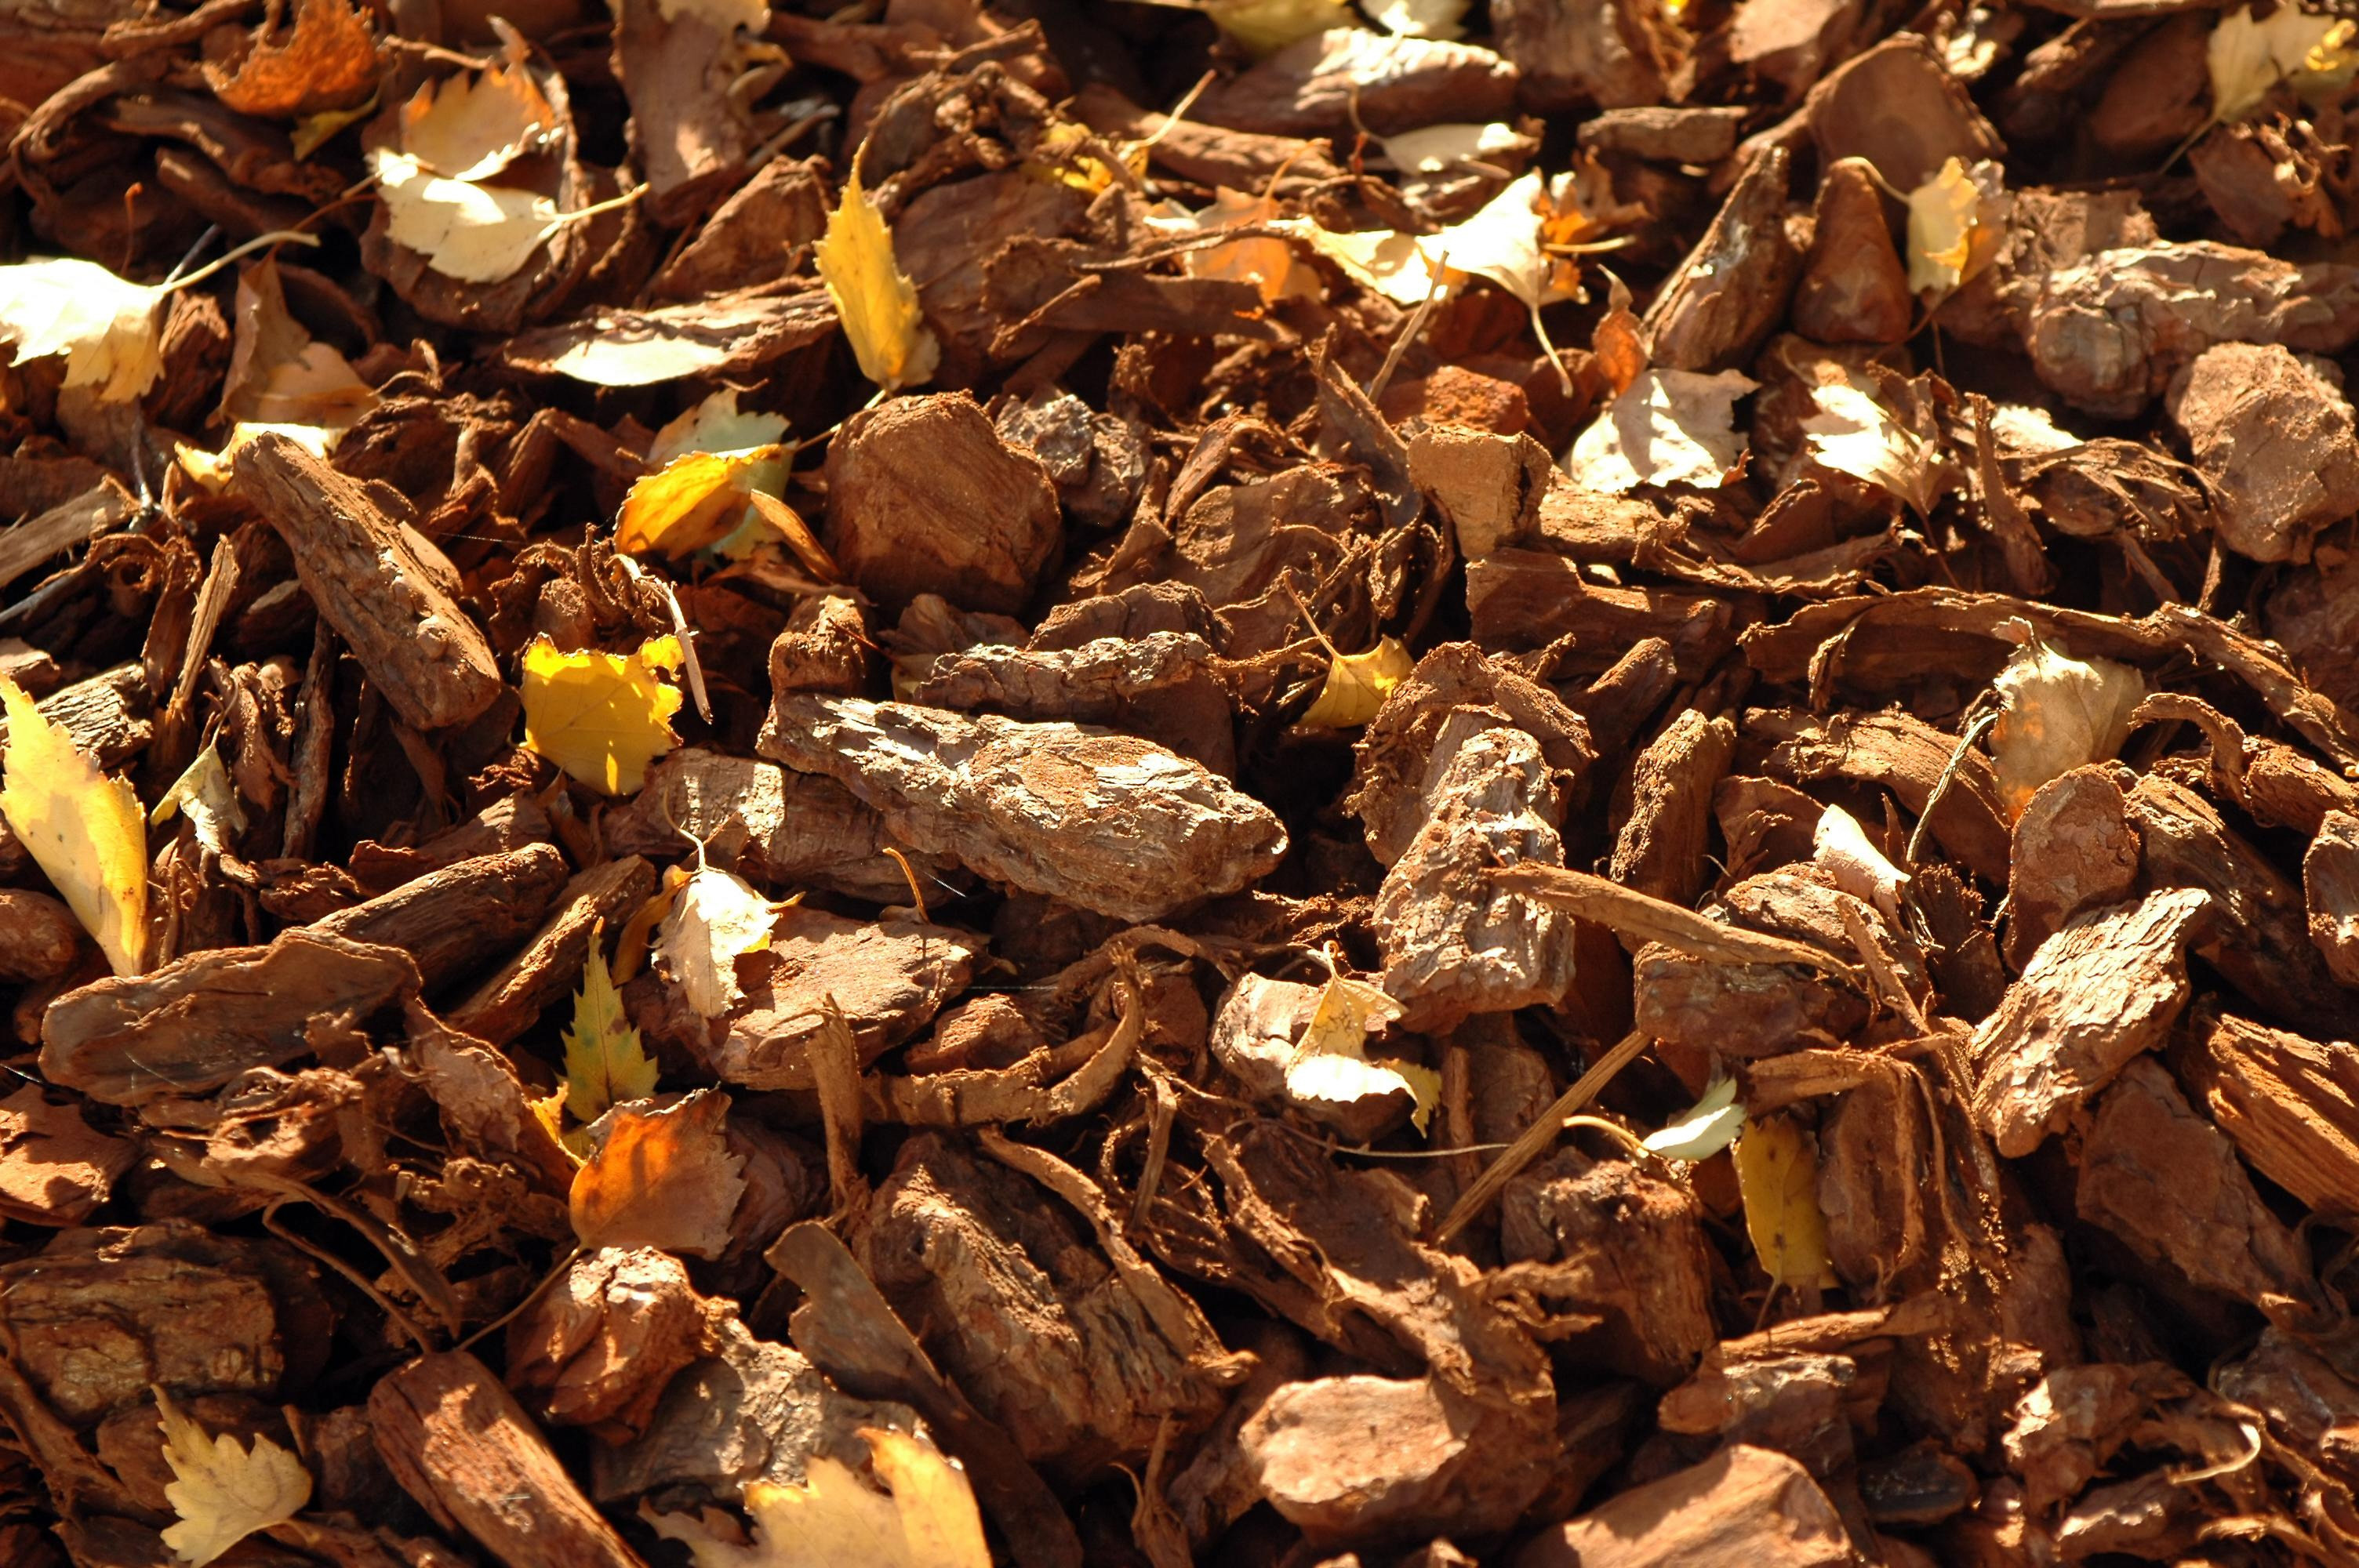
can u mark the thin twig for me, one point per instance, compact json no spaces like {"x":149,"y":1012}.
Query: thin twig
{"x":1536,"y":1138}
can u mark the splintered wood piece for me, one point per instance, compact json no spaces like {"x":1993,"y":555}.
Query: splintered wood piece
{"x":1640,"y":917}
{"x":458,"y":1443}
{"x":1742,"y":1505}
{"x":388,"y":593}
{"x":506,"y":1005}
{"x":1453,"y":943}
{"x":1661,"y":849}
{"x":2097,"y":993}
{"x":457,"y":919}
{"x":2290,"y":1105}
{"x":194,"y":1025}
{"x":1715,"y":308}
{"x":26,"y":544}
{"x":1108,"y":822}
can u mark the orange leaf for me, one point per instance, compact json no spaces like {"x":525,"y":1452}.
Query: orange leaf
{"x":663,"y":1179}
{"x":326,"y":62}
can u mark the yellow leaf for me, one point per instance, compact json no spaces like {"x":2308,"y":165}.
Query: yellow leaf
{"x":928,"y":1520}
{"x":790,"y":525}
{"x":1357,"y":685}
{"x":1941,"y":214}
{"x":223,"y":1493}
{"x":874,"y":297}
{"x":84,"y":829}
{"x":717,"y":918}
{"x":1778,"y":1177}
{"x":1852,"y":433}
{"x":106,"y":328}
{"x":661,"y":1178}
{"x":1330,"y":1057}
{"x":1267,"y":262}
{"x":690,"y":501}
{"x":1064,"y":155}
{"x":549,"y":1111}
{"x":313,"y":132}
{"x":604,"y":1063}
{"x":204,"y":791}
{"x":2245,"y":60}
{"x":2056,"y":713}
{"x":716,"y":424}
{"x":472,"y":126}
{"x":1266,"y":27}
{"x":600,"y":716}
{"x":476,"y":234}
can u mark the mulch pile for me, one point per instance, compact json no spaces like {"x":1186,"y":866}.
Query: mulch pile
{"x":1168,"y":874}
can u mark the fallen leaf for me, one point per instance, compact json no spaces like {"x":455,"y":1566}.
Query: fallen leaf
{"x":1778,"y":1177}
{"x":223,"y":1492}
{"x":716,"y":425}
{"x":1709,"y":1126}
{"x":1266,"y":27}
{"x":326,"y":62}
{"x":2056,"y":713}
{"x":1267,"y":261}
{"x":106,"y":328}
{"x":789,"y":524}
{"x":1841,"y":848}
{"x":661,"y":1178}
{"x":1668,"y":427}
{"x":1401,"y":267}
{"x":313,"y":132}
{"x":1504,"y":242}
{"x":1331,"y":1061}
{"x":874,"y":297}
{"x":2245,"y":60}
{"x":718,"y":918}
{"x":1419,"y":18}
{"x":203,"y":791}
{"x":1357,"y":685}
{"x":1437,"y":150}
{"x":605,"y":1064}
{"x":280,"y":378}
{"x":476,"y":234}
{"x":470,"y":126}
{"x":926,"y":1517}
{"x":84,"y":829}
{"x":1852,"y":433}
{"x":600,"y":716}
{"x":692,"y":502}
{"x":1955,"y":221}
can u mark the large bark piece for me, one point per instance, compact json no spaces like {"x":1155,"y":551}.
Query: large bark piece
{"x":1716,"y":308}
{"x":459,"y":918}
{"x":2290,"y":1105}
{"x":1742,"y":1505}
{"x":193,"y":1025}
{"x":2097,"y":993}
{"x":1660,"y":849}
{"x":1107,"y":822}
{"x":2274,"y":439}
{"x":390,"y":595}
{"x":508,"y":1003}
{"x":1454,"y":945}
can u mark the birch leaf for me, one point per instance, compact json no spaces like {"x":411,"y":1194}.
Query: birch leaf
{"x":1668,"y":427}
{"x":600,"y":716}
{"x":105,"y":328}
{"x":203,"y":791}
{"x":85,"y":830}
{"x":661,"y":1178}
{"x":926,"y":1517}
{"x":717,"y":919}
{"x":1357,"y":685}
{"x":874,"y":297}
{"x":716,"y":425}
{"x":1778,"y":1177}
{"x":2056,"y":713}
{"x":326,"y":62}
{"x":605,"y":1064}
{"x":1331,"y":1062}
{"x":1852,"y":433}
{"x":2245,"y":60}
{"x":222,"y":1491}
{"x":1955,"y":219}
{"x":1710,"y":1125}
{"x":476,"y":234}
{"x":693,"y":501}
{"x":473,"y":125}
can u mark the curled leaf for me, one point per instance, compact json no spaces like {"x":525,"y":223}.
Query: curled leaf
{"x":1710,"y":1125}
{"x":326,"y":62}
{"x":1852,"y":433}
{"x":1668,"y":427}
{"x":692,"y":502}
{"x":105,"y":328}
{"x":2056,"y":713}
{"x":476,"y":234}
{"x":204,"y":791}
{"x":717,"y":918}
{"x":1357,"y":685}
{"x":1330,"y":1059}
{"x":85,"y":830}
{"x":1841,"y":848}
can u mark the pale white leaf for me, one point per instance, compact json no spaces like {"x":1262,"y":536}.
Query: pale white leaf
{"x":717,"y":918}
{"x":1708,"y":1126}
{"x":1668,"y":427}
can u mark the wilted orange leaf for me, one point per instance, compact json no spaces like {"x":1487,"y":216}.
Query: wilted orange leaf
{"x":663,"y":1179}
{"x":326,"y":62}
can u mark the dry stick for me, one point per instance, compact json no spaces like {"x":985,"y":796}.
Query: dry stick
{"x":1536,"y":1138}
{"x":1642,"y":915}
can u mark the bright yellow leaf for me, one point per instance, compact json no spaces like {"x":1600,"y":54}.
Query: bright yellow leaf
{"x":605,"y":1063}
{"x":874,"y":297}
{"x":600,"y":716}
{"x":1942,"y":213}
{"x":223,"y":1492}
{"x":926,"y":1517}
{"x":108,"y":329}
{"x":84,"y":829}
{"x":1357,"y":685}
{"x":690,"y":501}
{"x":1778,"y":1177}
